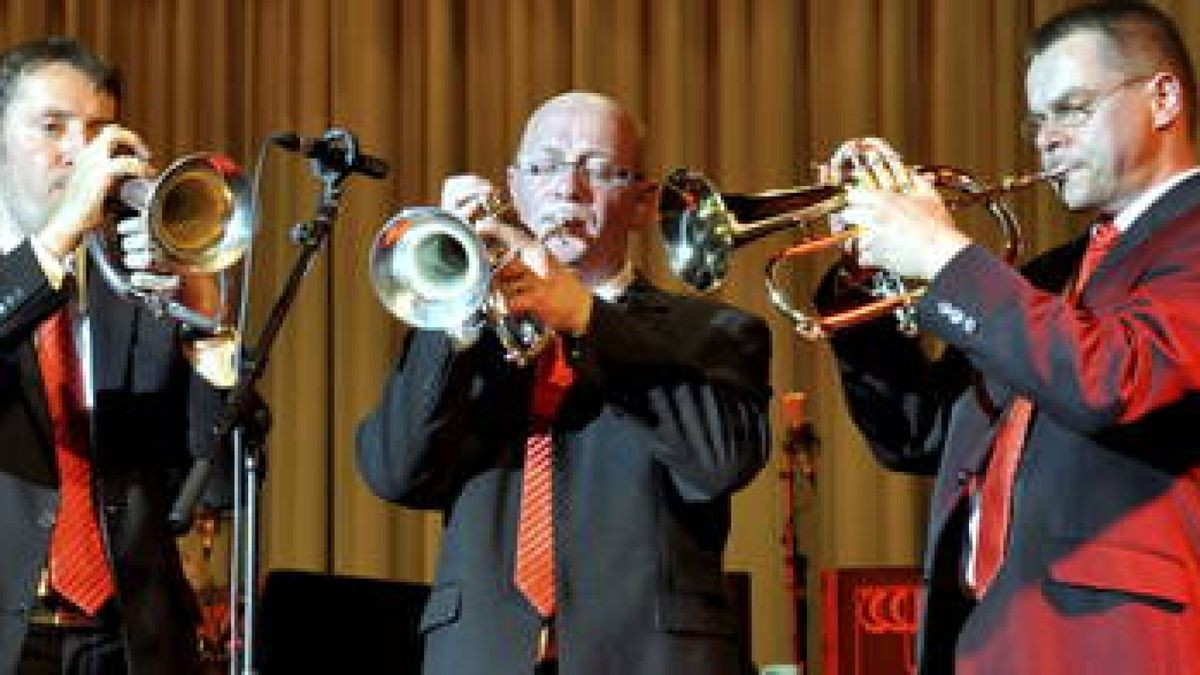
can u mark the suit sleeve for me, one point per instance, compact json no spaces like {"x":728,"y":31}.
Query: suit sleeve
{"x":695,"y":374}
{"x":1129,"y":350}
{"x":427,"y":435}
{"x":898,"y":397}
{"x":26,"y":296}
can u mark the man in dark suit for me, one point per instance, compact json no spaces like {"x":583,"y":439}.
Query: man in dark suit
{"x":1065,"y":525}
{"x":663,"y":417}
{"x":98,"y":406}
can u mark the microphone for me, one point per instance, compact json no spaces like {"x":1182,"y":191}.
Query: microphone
{"x":335,"y":149}
{"x":179,"y":518}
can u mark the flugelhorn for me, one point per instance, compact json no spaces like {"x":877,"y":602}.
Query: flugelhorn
{"x":432,"y":270}
{"x":701,"y":227}
{"x":198,"y":216}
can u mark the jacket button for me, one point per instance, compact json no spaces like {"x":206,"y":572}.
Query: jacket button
{"x":45,"y":520}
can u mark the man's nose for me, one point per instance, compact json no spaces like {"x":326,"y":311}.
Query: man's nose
{"x":1049,"y":137}
{"x":73,"y":141}
{"x":571,"y":183}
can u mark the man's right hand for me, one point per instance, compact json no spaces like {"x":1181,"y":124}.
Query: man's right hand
{"x":113,"y":155}
{"x":466,"y":196}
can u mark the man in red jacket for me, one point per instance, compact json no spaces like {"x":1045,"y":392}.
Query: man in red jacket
{"x":1065,"y":532}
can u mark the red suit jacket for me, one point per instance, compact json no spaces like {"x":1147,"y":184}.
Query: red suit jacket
{"x":1103,"y":568}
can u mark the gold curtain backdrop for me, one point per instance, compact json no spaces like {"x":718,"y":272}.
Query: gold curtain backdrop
{"x":752,"y":92}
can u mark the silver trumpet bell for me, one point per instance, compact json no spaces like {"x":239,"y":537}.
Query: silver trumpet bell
{"x":200,"y":221}
{"x":432,"y":270}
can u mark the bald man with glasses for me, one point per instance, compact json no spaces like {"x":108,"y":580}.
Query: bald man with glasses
{"x":586,"y":497}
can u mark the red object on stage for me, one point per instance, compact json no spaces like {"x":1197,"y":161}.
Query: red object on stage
{"x":870,"y":618}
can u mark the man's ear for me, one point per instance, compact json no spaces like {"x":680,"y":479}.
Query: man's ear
{"x":511,"y":176}
{"x":646,"y":204}
{"x":1167,"y":101}
{"x":515,"y":195}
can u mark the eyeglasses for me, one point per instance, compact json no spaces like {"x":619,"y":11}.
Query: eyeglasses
{"x":1073,"y":110}
{"x":598,"y":170}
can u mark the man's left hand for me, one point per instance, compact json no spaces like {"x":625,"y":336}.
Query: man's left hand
{"x":910,"y":234}
{"x":559,"y":299}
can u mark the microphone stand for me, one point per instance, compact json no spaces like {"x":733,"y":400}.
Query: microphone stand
{"x":309,"y":236}
{"x":799,"y":464}
{"x":244,"y":420}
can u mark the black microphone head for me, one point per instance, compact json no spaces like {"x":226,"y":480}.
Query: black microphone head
{"x":287,"y":140}
{"x":373,"y":167}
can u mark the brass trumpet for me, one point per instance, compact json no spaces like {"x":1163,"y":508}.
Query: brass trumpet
{"x":701,"y":227}
{"x":199,"y":217}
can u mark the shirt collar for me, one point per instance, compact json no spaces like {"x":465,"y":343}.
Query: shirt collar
{"x":614,"y":287}
{"x":1138,"y":206}
{"x":11,"y":236}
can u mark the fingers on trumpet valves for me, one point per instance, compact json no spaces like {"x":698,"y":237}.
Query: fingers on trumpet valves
{"x":158,"y":283}
{"x":137,"y":248}
{"x":114,"y":154}
{"x":465,"y":193}
{"x":869,"y":163}
{"x":116,"y":141}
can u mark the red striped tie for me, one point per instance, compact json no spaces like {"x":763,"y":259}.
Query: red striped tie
{"x":995,"y":494}
{"x":78,"y":567}
{"x":534,"y":569}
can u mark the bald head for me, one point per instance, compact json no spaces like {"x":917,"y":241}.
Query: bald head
{"x":589,"y":106}
{"x":576,"y":182}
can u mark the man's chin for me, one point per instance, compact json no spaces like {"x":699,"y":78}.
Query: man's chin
{"x":1074,"y":195}
{"x":566,"y":250}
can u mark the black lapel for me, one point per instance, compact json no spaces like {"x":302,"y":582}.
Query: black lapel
{"x":642,"y":294}
{"x":112,"y":322}
{"x":1177,"y":201}
{"x":32,"y":387}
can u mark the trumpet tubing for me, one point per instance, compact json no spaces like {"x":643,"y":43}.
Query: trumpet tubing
{"x":701,"y":228}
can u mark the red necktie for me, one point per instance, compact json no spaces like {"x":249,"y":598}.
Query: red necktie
{"x":995,"y":493}
{"x":78,"y":567}
{"x":534,"y":569}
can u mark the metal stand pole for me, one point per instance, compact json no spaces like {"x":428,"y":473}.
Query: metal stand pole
{"x":244,"y":419}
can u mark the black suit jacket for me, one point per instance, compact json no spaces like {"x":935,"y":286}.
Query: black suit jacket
{"x":149,"y":410}
{"x":1103,"y":569}
{"x":666,"y":419}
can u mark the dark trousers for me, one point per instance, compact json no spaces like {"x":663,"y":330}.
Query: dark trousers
{"x":73,"y":651}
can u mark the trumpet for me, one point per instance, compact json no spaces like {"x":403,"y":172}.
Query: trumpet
{"x":701,"y":227}
{"x":432,"y":270}
{"x":200,"y":221}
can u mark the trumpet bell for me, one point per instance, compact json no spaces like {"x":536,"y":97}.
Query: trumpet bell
{"x":432,"y":270}
{"x":701,"y":227}
{"x":429,"y":269}
{"x":197,"y":212}
{"x":199,"y":218}
{"x":697,"y":230}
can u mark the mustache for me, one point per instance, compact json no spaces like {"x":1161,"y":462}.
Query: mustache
{"x":560,"y":217}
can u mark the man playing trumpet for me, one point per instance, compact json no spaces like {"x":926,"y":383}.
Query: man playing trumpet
{"x":586,"y":496}
{"x":1065,"y":525}
{"x":98,"y":406}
